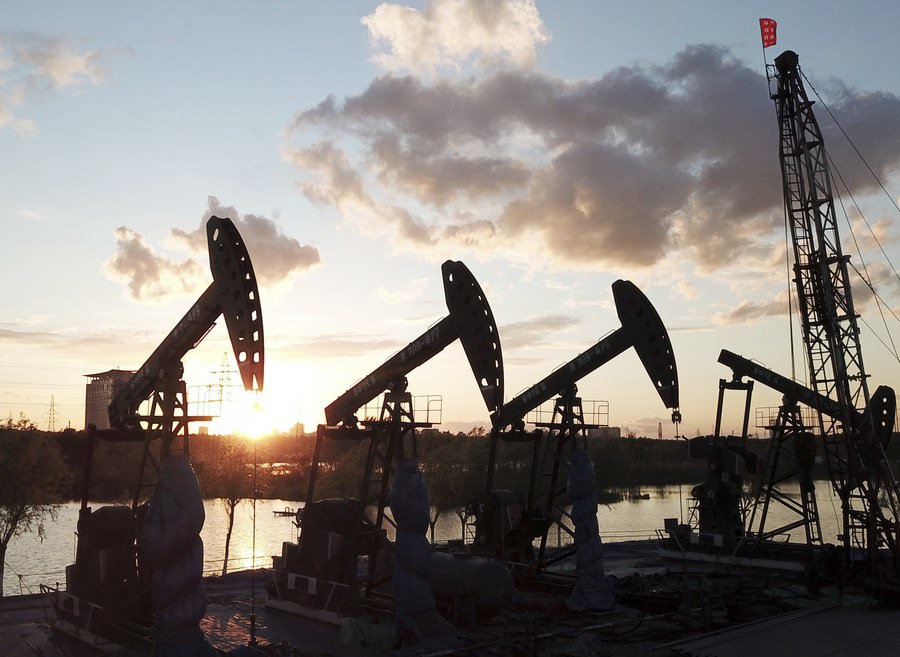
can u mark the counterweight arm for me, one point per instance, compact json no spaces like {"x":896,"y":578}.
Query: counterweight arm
{"x":877,"y":420}
{"x":470,"y":320}
{"x":235,"y":294}
{"x":417,"y":352}
{"x":791,"y":389}
{"x":641,"y":328}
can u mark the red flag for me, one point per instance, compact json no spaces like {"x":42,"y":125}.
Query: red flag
{"x":767,"y":27}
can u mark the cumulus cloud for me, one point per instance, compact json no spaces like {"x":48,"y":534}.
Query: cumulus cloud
{"x":869,"y":236}
{"x":152,"y":276}
{"x":648,"y":163}
{"x":33,"y":64}
{"x":877,"y":277}
{"x":749,"y":311}
{"x":276,"y":257}
{"x":450,"y":33}
{"x":865,"y":282}
{"x":534,"y":331}
{"x":601,"y":172}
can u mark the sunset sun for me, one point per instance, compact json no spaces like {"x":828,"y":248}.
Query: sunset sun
{"x":244,"y":417}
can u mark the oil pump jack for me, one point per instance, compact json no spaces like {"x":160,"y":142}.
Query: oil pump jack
{"x":137,"y":577}
{"x":496,"y":533}
{"x":853,"y":425}
{"x":318,"y":575}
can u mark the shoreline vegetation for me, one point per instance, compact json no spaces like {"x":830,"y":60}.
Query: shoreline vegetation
{"x":453,"y":465}
{"x":40,"y":470}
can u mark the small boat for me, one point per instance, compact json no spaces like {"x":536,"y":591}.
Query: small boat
{"x":288,"y":511}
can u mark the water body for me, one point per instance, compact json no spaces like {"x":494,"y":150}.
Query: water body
{"x":45,"y":562}
{"x":30,"y":562}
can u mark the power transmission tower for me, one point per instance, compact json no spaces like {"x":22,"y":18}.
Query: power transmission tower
{"x":51,"y":424}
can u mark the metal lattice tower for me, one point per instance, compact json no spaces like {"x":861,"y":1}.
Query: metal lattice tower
{"x":51,"y":422}
{"x":225,"y":385}
{"x":829,"y":320}
{"x":550,"y":488}
{"x":792,"y":451}
{"x":830,"y":329}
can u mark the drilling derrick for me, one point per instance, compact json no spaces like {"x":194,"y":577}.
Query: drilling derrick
{"x":829,"y":321}
{"x":853,"y":425}
{"x":830,"y":330}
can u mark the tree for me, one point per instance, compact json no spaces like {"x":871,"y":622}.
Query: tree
{"x":229,"y":476}
{"x":343,"y":476}
{"x":452,"y":475}
{"x":33,"y":480}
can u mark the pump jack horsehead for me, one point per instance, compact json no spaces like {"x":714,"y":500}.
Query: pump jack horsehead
{"x":642,"y":329}
{"x":149,"y":588}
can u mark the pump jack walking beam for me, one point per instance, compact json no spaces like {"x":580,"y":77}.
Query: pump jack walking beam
{"x":642,"y":329}
{"x":233,"y":294}
{"x":470,"y":320}
{"x":393,"y":435}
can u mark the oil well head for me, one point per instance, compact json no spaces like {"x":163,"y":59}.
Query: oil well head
{"x":239,"y":298}
{"x":476,"y":329}
{"x":649,"y":337}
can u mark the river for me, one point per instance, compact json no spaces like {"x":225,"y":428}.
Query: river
{"x":30,"y":562}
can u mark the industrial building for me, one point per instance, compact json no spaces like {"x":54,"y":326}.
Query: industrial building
{"x":99,"y":392}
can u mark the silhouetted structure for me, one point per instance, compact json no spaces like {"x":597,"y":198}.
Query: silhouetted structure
{"x":99,"y":392}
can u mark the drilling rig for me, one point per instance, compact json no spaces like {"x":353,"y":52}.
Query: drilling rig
{"x":137,"y":578}
{"x":317,"y":576}
{"x":496,"y":535}
{"x":853,"y":426}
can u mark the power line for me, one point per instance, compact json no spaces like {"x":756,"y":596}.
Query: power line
{"x":7,"y":363}
{"x":42,"y":403}
{"x":37,"y":383}
{"x":11,"y":391}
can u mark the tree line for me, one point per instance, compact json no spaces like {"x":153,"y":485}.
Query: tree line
{"x":39,"y":470}
{"x":454,"y":465}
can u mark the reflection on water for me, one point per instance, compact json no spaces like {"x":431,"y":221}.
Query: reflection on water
{"x":632,"y":518}
{"x":46,"y":562}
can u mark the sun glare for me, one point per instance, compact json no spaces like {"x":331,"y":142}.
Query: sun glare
{"x":243,"y":417}
{"x":288,"y":405}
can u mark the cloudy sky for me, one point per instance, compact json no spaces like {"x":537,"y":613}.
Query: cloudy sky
{"x":553,"y":147}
